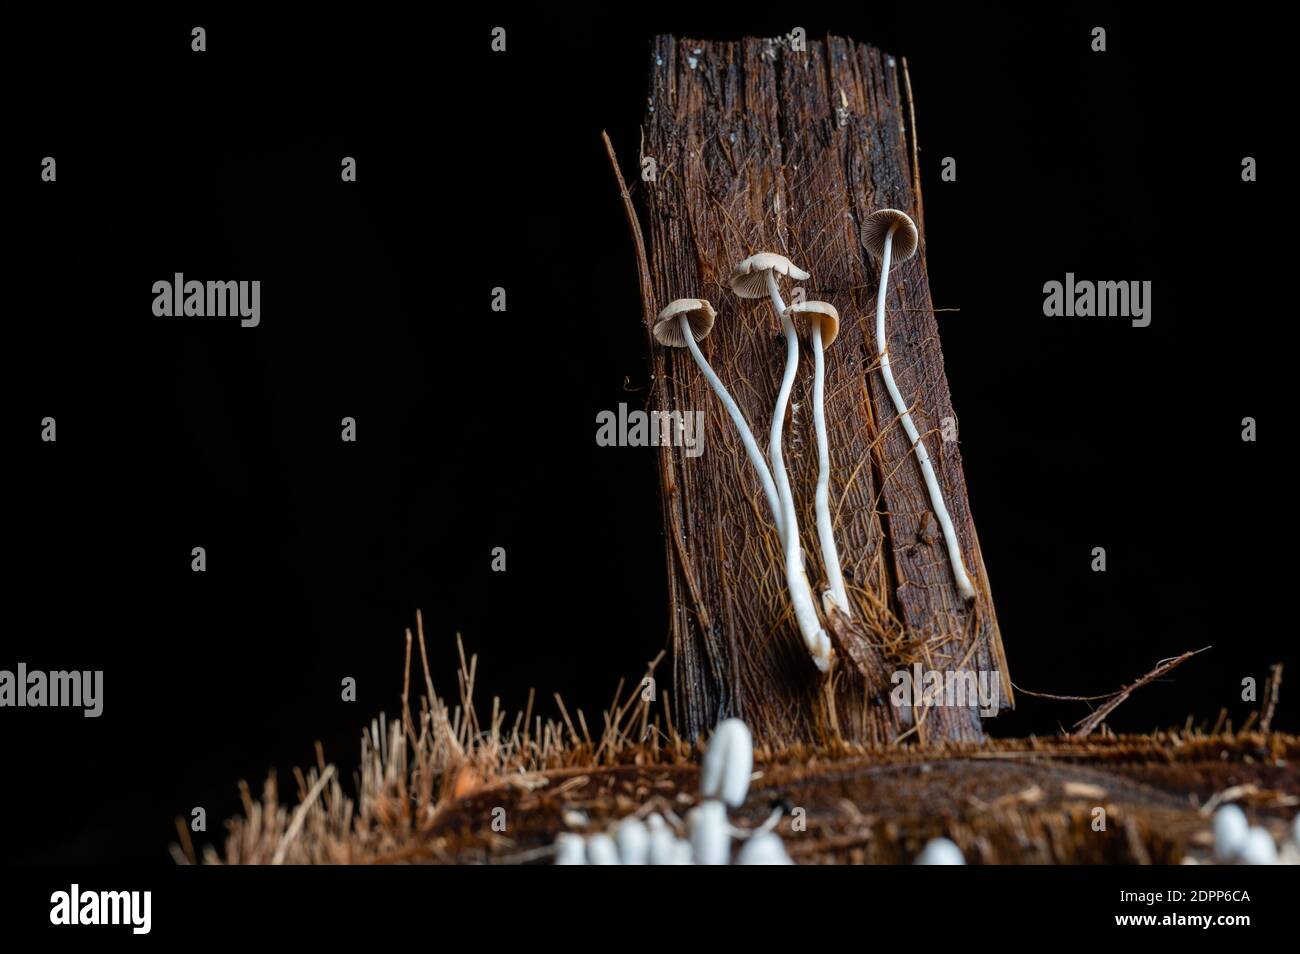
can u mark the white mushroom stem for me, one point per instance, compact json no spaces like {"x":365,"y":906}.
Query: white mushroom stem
{"x":710,"y":834}
{"x":570,"y":849}
{"x":964,"y":586}
{"x":746,"y":435}
{"x":663,"y":843}
{"x":805,"y":612}
{"x":601,"y":850}
{"x":822,"y":500}
{"x":633,"y":842}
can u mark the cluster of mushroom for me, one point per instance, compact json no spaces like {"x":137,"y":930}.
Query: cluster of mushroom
{"x":1237,"y":842}
{"x":686,"y":321}
{"x":724,"y":781}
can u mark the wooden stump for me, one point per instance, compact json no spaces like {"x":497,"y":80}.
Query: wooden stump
{"x":758,"y":148}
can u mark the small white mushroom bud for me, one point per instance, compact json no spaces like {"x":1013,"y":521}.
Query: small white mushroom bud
{"x":710,"y":833}
{"x":764,"y":848}
{"x":1230,"y":830}
{"x":662,"y":841}
{"x":728,"y":763}
{"x":1258,"y":848}
{"x":682,"y":853}
{"x":570,"y":849}
{"x":940,"y":851}
{"x":601,"y":850}
{"x":633,"y":842}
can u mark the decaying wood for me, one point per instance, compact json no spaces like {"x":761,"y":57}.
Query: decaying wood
{"x":432,"y":785}
{"x":1013,"y":802}
{"x":1020,"y":801}
{"x":758,"y":148}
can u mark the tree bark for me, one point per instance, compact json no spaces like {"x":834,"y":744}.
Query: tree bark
{"x":760,"y":148}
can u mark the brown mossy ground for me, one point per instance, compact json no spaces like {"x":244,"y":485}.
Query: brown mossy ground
{"x":436,"y":787}
{"x":1029,"y":801}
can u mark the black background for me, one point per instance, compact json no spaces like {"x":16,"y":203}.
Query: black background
{"x":476,"y":429}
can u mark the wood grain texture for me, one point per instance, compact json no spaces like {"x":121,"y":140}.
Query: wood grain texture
{"x":758,"y":148}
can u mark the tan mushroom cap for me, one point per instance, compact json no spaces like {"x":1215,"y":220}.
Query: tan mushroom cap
{"x":668,"y":326}
{"x":749,"y":278}
{"x":877,"y":226}
{"x":822,"y":311}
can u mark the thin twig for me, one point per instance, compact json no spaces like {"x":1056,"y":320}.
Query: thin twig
{"x":1085,"y":726}
{"x":300,"y":815}
{"x":1270,"y":698}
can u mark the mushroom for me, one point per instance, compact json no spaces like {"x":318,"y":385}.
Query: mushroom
{"x":940,"y":851}
{"x":684,"y":322}
{"x":710,"y":833}
{"x":755,"y":277}
{"x":764,"y":849}
{"x":879,"y":233}
{"x":570,"y":849}
{"x":683,"y":854}
{"x":1230,"y":831}
{"x":663,"y":843}
{"x":633,"y":841}
{"x":601,"y":850}
{"x":724,"y":778}
{"x":728,"y":763}
{"x":1258,"y":848}
{"x":724,"y":781}
{"x":824,"y":324}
